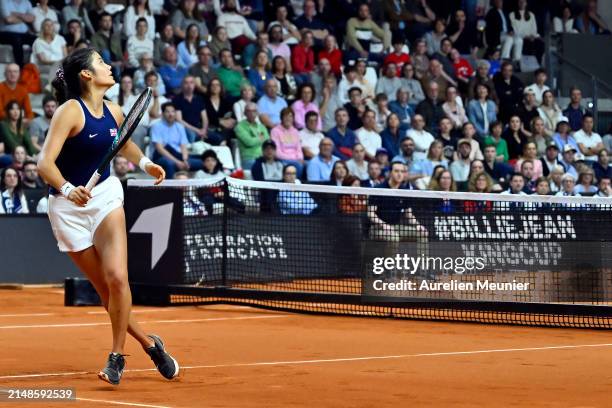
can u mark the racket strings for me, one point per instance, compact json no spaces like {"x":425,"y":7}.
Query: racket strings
{"x":137,"y":111}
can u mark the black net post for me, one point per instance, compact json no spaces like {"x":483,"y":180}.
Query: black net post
{"x":225,"y":223}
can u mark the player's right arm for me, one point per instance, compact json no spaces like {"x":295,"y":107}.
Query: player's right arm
{"x":67,"y":121}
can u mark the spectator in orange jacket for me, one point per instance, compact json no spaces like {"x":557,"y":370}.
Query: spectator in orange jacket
{"x":10,"y":90}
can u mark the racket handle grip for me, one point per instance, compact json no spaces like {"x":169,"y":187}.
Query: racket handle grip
{"x":93,"y":181}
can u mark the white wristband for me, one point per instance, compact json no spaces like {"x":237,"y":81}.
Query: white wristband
{"x":66,"y":188}
{"x":143,"y":163}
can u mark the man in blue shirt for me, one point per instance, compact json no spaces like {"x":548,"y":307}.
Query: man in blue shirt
{"x":294,"y":202}
{"x":170,"y":141}
{"x":406,"y":154}
{"x":344,"y":138}
{"x":171,"y":72}
{"x":270,"y":105}
{"x":15,"y":17}
{"x":401,"y":108}
{"x":320,"y":167}
{"x":569,"y":160}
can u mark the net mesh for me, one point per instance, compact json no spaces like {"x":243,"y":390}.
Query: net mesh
{"x":391,"y":252}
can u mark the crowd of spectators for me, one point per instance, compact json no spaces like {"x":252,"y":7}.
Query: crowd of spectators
{"x":326,"y":91}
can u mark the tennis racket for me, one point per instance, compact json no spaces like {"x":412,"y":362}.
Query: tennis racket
{"x":123,"y":135}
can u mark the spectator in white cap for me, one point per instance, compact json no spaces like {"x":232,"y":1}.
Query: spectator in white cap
{"x":569,"y":160}
{"x":551,"y":158}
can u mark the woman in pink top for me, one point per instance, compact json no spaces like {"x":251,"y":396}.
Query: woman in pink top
{"x":277,"y":44}
{"x":530,"y":152}
{"x":287,"y":139}
{"x":305,"y":104}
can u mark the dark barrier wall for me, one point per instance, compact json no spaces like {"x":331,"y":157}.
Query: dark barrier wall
{"x":592,"y":53}
{"x":29,"y":254}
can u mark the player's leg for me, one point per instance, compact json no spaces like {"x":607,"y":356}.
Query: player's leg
{"x":88,"y":261}
{"x":110,"y":241}
{"x":111,"y":278}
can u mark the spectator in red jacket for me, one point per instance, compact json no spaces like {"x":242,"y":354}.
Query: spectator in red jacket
{"x":302,"y":58}
{"x":398,"y":56}
{"x":332,"y":53}
{"x":463,"y":70}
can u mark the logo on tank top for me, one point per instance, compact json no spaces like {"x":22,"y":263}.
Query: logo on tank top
{"x":113,"y":132}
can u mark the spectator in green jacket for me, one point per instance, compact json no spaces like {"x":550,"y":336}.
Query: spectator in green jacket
{"x":230,"y":74}
{"x":495,"y":131}
{"x":14,"y":132}
{"x":251,"y":134}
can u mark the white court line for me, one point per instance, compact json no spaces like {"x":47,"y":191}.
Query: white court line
{"x":212,"y":319}
{"x":91,"y":313}
{"x":130,"y":404}
{"x":65,"y":374}
{"x":135,"y":311}
{"x":27,"y":314}
{"x":101,"y":312}
{"x":330,"y":360}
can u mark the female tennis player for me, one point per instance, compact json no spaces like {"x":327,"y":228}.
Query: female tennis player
{"x":90,"y":225}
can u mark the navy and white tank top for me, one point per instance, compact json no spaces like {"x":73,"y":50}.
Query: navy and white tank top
{"x":82,"y":154}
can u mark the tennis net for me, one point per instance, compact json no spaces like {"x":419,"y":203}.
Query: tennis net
{"x":495,"y":258}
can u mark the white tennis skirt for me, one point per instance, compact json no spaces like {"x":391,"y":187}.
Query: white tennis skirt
{"x":73,"y":226}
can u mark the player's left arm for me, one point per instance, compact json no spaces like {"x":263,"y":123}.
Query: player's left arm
{"x":132,"y":152}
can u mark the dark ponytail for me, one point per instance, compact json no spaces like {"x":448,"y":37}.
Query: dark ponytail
{"x":67,"y":82}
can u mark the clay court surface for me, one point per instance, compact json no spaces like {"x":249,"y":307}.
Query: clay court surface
{"x":245,"y":357}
